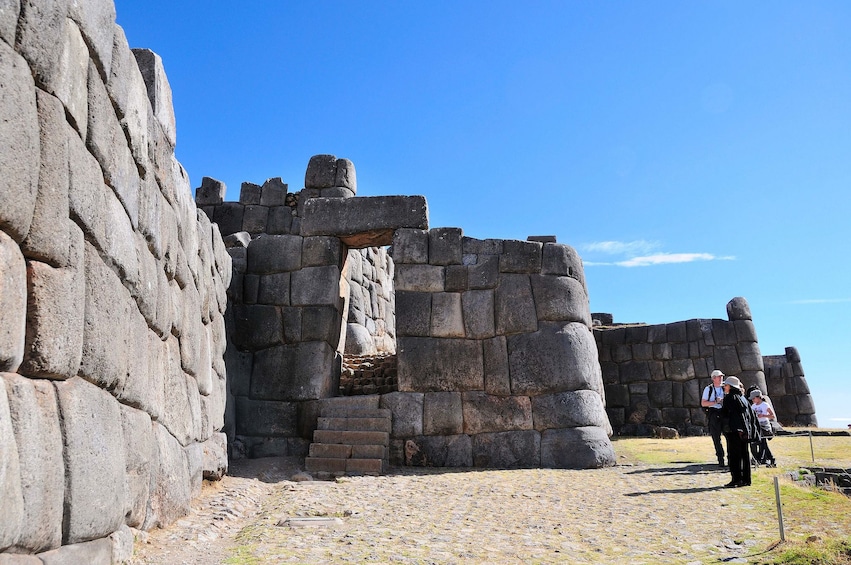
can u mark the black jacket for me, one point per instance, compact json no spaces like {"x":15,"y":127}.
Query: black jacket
{"x":738,"y":415}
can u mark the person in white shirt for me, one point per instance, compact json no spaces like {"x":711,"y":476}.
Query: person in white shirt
{"x":711,"y":400}
{"x":765,"y":415}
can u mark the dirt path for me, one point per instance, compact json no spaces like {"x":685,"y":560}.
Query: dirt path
{"x":626,"y":514}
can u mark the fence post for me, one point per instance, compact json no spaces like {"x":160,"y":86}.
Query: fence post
{"x":779,"y":509}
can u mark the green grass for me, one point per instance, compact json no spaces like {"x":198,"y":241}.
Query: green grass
{"x":815,"y":552}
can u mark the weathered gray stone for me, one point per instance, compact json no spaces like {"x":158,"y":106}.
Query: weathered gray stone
{"x":94,"y":461}
{"x":576,"y":448}
{"x":20,"y":156}
{"x":444,"y":246}
{"x":14,"y":512}
{"x":316,"y":286}
{"x":557,"y":358}
{"x":122,"y":544}
{"x":442,"y":414}
{"x":321,"y":172}
{"x":679,"y":370}
{"x":471,"y":246}
{"x":745,"y":331}
{"x":273,"y":289}
{"x":439,"y":451}
{"x":320,"y":251}
{"x":455,"y":278}
{"x":19,"y":558}
{"x":321,"y":323}
{"x":573,"y":409}
{"x":280,"y":220}
{"x":413,"y":313}
{"x":9,"y":12}
{"x":34,"y":414}
{"x":194,"y":462}
{"x":211,"y":192}
{"x":274,"y":254}
{"x":128,"y":92}
{"x":563,"y":260}
{"x":107,"y":142}
{"x":13,"y":304}
{"x":54,"y":342}
{"x":305,"y":371}
{"x":346,"y":176}
{"x":249,"y":193}
{"x":159,"y":91}
{"x":170,"y":494}
{"x":273,"y":192}
{"x":507,"y":450}
{"x":426,"y":365}
{"x":750,"y":357}
{"x":96,"y":552}
{"x":520,"y":257}
{"x":229,"y":217}
{"x":69,"y":81}
{"x":97,"y":21}
{"x":191,"y":330}
{"x":364,"y":221}
{"x":215,"y":457}
{"x":488,"y":413}
{"x":410,"y":246}
{"x":105,"y":329}
{"x":419,"y":278}
{"x":39,"y":37}
{"x":407,"y":409}
{"x":495,"y":352}
{"x":727,"y":359}
{"x":484,"y":273}
{"x":358,"y":340}
{"x":257,"y":326}
{"x":141,"y":452}
{"x":661,"y":394}
{"x":514,"y":306}
{"x":447,"y":318}
{"x":254,"y":219}
{"x":266,"y":418}
{"x":478,"y":309}
{"x":560,"y":299}
{"x":738,"y":309}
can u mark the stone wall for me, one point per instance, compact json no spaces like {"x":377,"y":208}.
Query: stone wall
{"x":788,"y":389}
{"x":112,"y":293}
{"x":497,"y":365}
{"x":655,"y":374}
{"x":372,"y":302}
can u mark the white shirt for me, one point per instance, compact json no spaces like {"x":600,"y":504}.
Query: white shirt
{"x":718,"y":396}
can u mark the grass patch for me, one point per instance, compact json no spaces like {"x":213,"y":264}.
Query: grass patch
{"x":816,"y":552}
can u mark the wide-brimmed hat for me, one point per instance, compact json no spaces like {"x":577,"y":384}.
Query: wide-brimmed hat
{"x":732,"y":381}
{"x":755,"y":393}
{"x":716,"y":373}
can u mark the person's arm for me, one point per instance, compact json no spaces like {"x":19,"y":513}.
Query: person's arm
{"x":704,"y":399}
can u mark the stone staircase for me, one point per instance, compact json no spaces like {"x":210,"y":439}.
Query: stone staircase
{"x":349,"y":441}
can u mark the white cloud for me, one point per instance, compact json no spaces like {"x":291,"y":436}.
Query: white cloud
{"x":620,"y":247}
{"x":821,"y":301}
{"x":665,"y":258}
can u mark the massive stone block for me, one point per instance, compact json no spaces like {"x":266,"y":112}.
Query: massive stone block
{"x":96,"y":20}
{"x":257,"y":326}
{"x":141,"y":456}
{"x":557,"y":358}
{"x":364,"y":221}
{"x":507,"y":450}
{"x":10,"y":477}
{"x":447,"y":319}
{"x":159,"y":91}
{"x":576,"y":448}
{"x":444,"y":246}
{"x":413,"y":313}
{"x":410,"y":246}
{"x":407,"y":409}
{"x":560,"y":299}
{"x":427,"y":365}
{"x":316,"y":286}
{"x":563,"y":260}
{"x":442,"y":414}
{"x":572,"y":409}
{"x":439,"y":451}
{"x":10,"y":9}
{"x":488,"y":413}
{"x":265,"y":418}
{"x":419,"y":278}
{"x":478,"y":306}
{"x":520,"y":257}
{"x":514,"y":306}
{"x":20,"y":154}
{"x":484,"y":273}
{"x":34,"y":414}
{"x":274,"y":254}
{"x":495,"y":353}
{"x":94,"y":461}
{"x":13,"y":303}
{"x":305,"y":371}
{"x":170,"y":493}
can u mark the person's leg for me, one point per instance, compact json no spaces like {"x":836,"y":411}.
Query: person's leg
{"x":768,"y":457}
{"x":734,"y":457}
{"x":715,"y":432}
{"x":746,"y":466}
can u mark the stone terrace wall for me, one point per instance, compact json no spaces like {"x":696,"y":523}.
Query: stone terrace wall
{"x":788,"y":389}
{"x":112,"y":289}
{"x":497,"y":365}
{"x":372,"y":302}
{"x":655,"y":374}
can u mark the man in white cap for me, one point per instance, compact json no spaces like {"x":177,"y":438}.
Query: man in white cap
{"x":713,"y":397}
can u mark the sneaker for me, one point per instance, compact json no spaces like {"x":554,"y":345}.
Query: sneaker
{"x":733,"y":484}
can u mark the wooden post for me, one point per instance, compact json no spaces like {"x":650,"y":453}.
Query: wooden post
{"x":779,"y":508}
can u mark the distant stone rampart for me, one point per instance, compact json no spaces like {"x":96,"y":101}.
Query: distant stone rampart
{"x":112,"y":293}
{"x":655,"y":374}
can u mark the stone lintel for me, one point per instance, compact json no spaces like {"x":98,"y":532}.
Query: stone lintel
{"x":364,"y":221}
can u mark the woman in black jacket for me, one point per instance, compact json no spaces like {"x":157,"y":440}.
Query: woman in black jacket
{"x":739,"y":425}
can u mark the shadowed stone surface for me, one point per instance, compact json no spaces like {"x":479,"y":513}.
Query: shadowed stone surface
{"x":576,"y":448}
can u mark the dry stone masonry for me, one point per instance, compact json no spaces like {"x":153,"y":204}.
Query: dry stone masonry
{"x":112,"y":294}
{"x":655,"y":374}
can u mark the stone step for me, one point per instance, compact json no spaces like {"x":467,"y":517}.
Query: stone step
{"x":349,"y":437}
{"x":343,"y":451}
{"x":338,"y":467}
{"x":352,"y":423}
{"x":343,"y":411}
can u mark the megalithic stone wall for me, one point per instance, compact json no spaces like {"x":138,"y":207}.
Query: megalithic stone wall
{"x":788,"y":389}
{"x":655,"y":374}
{"x":371,"y":327}
{"x":497,"y":365}
{"x":112,"y":290}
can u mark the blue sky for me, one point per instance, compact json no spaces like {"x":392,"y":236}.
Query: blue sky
{"x":690,"y":151}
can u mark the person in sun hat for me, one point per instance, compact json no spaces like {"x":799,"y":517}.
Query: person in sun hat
{"x":764,"y":415}
{"x":740,"y":426}
{"x":711,"y":400}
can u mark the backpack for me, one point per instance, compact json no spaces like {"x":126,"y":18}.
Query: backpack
{"x":712,"y":393}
